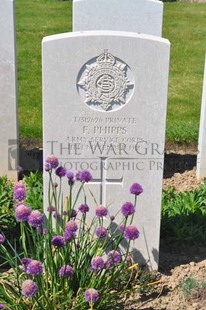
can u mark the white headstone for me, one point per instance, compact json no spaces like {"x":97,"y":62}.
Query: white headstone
{"x":142,"y":16}
{"x":104,"y":101}
{"x":201,"y":156}
{"x":8,"y":97}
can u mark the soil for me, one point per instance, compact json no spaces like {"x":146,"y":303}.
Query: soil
{"x":176,"y":265}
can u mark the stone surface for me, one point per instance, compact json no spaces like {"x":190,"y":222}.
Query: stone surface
{"x":8,"y":97}
{"x":201,"y":155}
{"x":105,"y":101}
{"x":142,"y":16}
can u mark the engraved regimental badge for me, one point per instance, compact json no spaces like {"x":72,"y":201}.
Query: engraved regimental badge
{"x":105,"y":83}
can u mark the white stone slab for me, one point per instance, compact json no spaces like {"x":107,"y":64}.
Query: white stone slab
{"x":201,"y":156}
{"x":142,"y":16}
{"x":104,"y":102}
{"x":8,"y":97}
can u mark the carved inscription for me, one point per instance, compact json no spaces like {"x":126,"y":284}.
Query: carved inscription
{"x":106,"y":83}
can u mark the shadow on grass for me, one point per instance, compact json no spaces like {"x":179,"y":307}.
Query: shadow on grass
{"x":183,"y":227}
{"x":183,"y":240}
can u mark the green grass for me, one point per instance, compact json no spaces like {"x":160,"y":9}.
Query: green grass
{"x":187,"y":285}
{"x":183,"y":217}
{"x":35,"y":20}
{"x":191,"y":284}
{"x":34,"y":198}
{"x":184,"y":26}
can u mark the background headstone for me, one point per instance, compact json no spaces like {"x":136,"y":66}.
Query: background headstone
{"x":8,"y":96}
{"x":142,"y":16}
{"x":201,"y":156}
{"x":104,"y":101}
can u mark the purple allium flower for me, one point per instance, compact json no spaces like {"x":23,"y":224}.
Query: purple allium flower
{"x":131,"y":232}
{"x":69,"y":235}
{"x":84,"y":208}
{"x":112,"y":218}
{"x":66,"y":271}
{"x":2,"y":306}
{"x":47,"y":166}
{"x":78,"y":176}
{"x":35,"y":218}
{"x":74,"y":213}
{"x":2,"y":239}
{"x":19,"y":184}
{"x":97,"y":263}
{"x":57,"y":216}
{"x":101,"y":211}
{"x":58,"y":241}
{"x":101,"y":232}
{"x":25,"y":261}
{"x":136,"y":189}
{"x":29,"y":288}
{"x":71,"y":226}
{"x":114,"y":257}
{"x":18,"y":204}
{"x":22,"y":212}
{"x":128,"y":258}
{"x":19,"y":193}
{"x":45,"y":231}
{"x":53,"y":161}
{"x":70,"y":176}
{"x":91,"y":295}
{"x":35,"y":268}
{"x":51,"y":209}
{"x":85,"y":176}
{"x":61,"y":171}
{"x":38,"y":230}
{"x":55,"y":184}
{"x":127,"y":209}
{"x":121,"y":227}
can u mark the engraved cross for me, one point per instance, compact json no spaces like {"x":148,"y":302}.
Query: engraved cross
{"x":103,"y":181}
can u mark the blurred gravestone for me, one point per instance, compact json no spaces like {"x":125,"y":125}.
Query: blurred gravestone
{"x":8,"y":96}
{"x":201,"y":156}
{"x":142,"y":16}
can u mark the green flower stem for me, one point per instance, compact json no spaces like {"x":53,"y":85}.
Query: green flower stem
{"x":16,"y":267}
{"x":135,"y":200}
{"x":51,"y":191}
{"x":39,"y":305}
{"x":41,"y":289}
{"x":91,"y":305}
{"x":70,"y":200}
{"x":77,"y":196}
{"x":127,"y":251}
{"x":59,"y":195}
{"x":31,"y":238}
{"x":117,"y":239}
{"x":23,"y":238}
{"x":49,"y":188}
